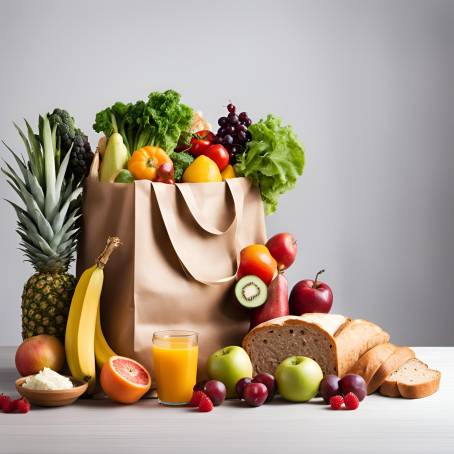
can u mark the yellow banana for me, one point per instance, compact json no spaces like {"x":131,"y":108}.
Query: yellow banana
{"x":80,"y":330}
{"x":102,"y":349}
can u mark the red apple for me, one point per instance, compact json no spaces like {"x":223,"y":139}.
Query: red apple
{"x":38,"y":352}
{"x":310,"y":296}
{"x":283,"y":248}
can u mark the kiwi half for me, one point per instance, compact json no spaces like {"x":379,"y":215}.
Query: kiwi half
{"x":251,"y":291}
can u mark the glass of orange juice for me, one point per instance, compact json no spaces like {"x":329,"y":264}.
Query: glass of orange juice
{"x":175,"y":354}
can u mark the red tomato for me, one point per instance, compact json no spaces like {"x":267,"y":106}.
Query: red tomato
{"x":218,"y":154}
{"x":205,"y":134}
{"x":199,"y":146}
{"x":257,"y":260}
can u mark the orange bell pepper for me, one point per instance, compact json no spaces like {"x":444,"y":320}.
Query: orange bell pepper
{"x":145,"y":162}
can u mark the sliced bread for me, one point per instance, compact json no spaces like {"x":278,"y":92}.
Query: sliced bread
{"x":399,"y":357}
{"x":412,"y":380}
{"x":369,"y":363}
{"x":334,"y":341}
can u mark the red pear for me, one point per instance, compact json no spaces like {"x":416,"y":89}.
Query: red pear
{"x":276,"y":305}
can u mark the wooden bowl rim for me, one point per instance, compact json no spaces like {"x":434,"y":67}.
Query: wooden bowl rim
{"x":79,"y":388}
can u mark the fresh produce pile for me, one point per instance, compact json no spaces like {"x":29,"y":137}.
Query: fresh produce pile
{"x":155,"y":140}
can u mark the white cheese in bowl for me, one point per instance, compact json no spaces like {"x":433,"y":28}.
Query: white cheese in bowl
{"x":47,"y":380}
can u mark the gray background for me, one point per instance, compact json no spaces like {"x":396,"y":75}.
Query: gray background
{"x":367,"y":85}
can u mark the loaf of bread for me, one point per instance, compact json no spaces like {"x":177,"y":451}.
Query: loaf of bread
{"x":412,"y":380}
{"x":334,"y":341}
{"x":400,"y":356}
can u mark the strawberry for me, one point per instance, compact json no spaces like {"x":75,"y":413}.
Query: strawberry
{"x":205,"y":404}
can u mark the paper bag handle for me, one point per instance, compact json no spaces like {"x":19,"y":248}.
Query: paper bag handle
{"x":180,"y":244}
{"x":188,"y":196}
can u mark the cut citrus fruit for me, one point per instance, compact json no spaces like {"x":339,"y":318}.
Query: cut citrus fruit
{"x":124,"y":380}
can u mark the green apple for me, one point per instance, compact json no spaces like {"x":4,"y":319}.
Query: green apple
{"x":229,"y":364}
{"x":298,"y":378}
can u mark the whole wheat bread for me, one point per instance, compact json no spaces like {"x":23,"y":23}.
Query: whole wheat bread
{"x":400,"y":356}
{"x":334,"y":341}
{"x":412,"y":380}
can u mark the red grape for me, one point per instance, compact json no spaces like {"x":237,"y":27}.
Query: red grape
{"x":199,"y":385}
{"x":240,"y":385}
{"x":352,"y":383}
{"x":255,"y":394}
{"x":231,"y":108}
{"x":242,"y":116}
{"x":269,"y":381}
{"x":216,"y":391}
{"x":223,"y":121}
{"x":329,"y":387}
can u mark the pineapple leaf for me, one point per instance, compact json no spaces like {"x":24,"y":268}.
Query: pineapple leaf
{"x":26,"y":142}
{"x":12,"y":176}
{"x":63,"y":234}
{"x":59,"y":219}
{"x":61,"y":173}
{"x":37,"y":154}
{"x":36,"y":189}
{"x":49,"y":166}
{"x":19,"y":160}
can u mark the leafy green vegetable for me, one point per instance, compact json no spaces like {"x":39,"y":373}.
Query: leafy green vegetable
{"x":181,"y":161}
{"x":273,"y":159}
{"x":158,"y":121}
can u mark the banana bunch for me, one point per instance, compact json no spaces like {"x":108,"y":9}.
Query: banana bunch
{"x":85,"y":343}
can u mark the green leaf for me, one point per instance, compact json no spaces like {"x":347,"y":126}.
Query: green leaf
{"x":273,"y":160}
{"x":51,"y":204}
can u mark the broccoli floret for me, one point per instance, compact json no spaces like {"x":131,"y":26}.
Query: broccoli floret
{"x":181,"y":161}
{"x":66,"y":128}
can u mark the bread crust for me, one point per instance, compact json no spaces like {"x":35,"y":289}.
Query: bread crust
{"x":370,"y":362}
{"x":350,"y":338}
{"x":400,"y":356}
{"x":389,"y":389}
{"x":420,"y":390}
{"x":394,"y":388}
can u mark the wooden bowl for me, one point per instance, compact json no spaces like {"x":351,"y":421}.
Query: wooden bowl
{"x":52,"y":398}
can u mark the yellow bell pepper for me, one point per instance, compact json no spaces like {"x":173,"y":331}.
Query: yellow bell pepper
{"x":202,"y":170}
{"x":228,"y":172}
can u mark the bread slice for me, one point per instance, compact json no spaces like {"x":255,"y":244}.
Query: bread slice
{"x":334,"y":341}
{"x":370,"y":362}
{"x":400,"y":356}
{"x":413,"y":380}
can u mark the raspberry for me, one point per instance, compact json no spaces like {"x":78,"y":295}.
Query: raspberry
{"x":9,"y":406}
{"x":205,"y":404}
{"x":351,"y":401}
{"x":336,"y":402}
{"x":22,"y":405}
{"x":196,"y":397}
{"x":4,"y":399}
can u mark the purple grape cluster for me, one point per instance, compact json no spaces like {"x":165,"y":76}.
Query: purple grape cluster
{"x":233,"y":133}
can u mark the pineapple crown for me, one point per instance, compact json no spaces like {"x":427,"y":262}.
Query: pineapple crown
{"x":51,"y":202}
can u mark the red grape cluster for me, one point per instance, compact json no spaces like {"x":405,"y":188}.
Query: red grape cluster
{"x":233,"y":133}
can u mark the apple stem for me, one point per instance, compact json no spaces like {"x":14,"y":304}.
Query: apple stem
{"x":316,"y":278}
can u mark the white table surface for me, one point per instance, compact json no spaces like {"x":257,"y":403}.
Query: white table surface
{"x":382,"y":425}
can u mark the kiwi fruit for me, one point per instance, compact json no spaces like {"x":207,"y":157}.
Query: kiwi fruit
{"x":251,"y":291}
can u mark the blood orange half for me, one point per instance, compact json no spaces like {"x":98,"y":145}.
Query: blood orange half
{"x":124,"y":380}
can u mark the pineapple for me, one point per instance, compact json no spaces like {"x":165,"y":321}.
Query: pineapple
{"x":47,"y":227}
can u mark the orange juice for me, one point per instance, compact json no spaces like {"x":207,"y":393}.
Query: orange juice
{"x":175,"y":365}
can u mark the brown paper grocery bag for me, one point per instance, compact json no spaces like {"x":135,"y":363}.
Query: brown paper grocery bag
{"x":177,"y":265}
